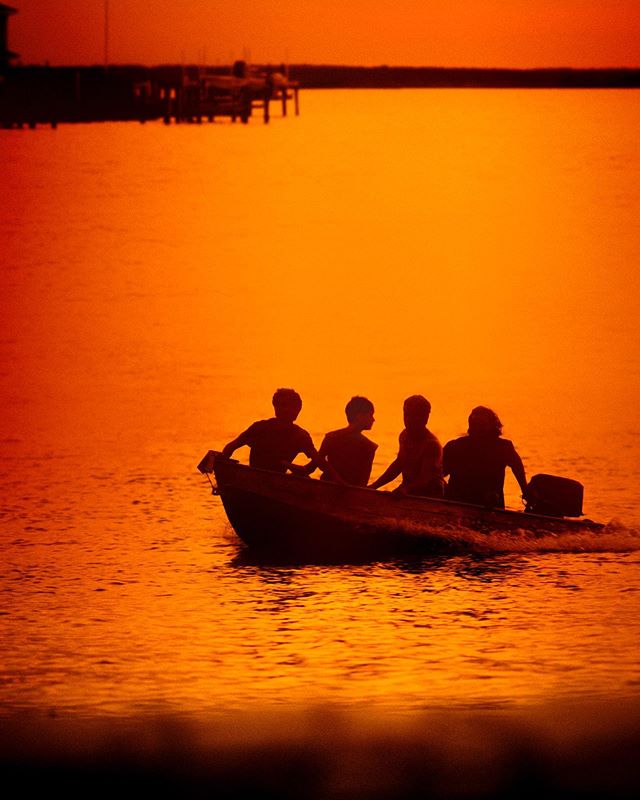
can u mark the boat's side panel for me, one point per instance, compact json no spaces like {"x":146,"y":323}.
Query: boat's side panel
{"x":277,"y":526}
{"x":288,"y":512}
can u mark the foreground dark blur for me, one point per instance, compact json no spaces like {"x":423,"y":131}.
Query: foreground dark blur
{"x":578,"y":751}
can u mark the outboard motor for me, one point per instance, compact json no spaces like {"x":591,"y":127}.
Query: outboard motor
{"x":554,"y":496}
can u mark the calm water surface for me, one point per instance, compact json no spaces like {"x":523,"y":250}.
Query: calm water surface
{"x":158,"y":283}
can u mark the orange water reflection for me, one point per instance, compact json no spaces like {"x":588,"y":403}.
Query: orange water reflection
{"x":159,"y":283}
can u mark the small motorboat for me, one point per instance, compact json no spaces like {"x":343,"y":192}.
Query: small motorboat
{"x":299,"y":517}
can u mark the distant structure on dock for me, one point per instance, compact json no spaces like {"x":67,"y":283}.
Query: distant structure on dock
{"x":6,"y":56}
{"x":200,"y":93}
{"x":35,"y":95}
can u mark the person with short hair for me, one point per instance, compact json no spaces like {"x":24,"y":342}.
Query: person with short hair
{"x":476,"y":463}
{"x":347,"y":454}
{"x":419,"y":458}
{"x":275,"y":442}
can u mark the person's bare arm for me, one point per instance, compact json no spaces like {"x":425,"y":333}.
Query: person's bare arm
{"x":517,"y":467}
{"x":229,"y":449}
{"x":317,"y":460}
{"x":391,"y":472}
{"x":446,"y":459}
{"x":301,"y":469}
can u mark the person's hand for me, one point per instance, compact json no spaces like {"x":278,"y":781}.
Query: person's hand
{"x":295,"y":469}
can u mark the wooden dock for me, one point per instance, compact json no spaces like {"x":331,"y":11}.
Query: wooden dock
{"x":204,"y":95}
{"x":32,"y":96}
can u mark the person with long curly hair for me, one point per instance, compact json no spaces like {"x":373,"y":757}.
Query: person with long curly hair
{"x":476,"y":463}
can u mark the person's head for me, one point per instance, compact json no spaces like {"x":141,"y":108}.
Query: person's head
{"x":416,"y":410}
{"x":360,"y":412}
{"x":484,"y":422}
{"x":286,"y":404}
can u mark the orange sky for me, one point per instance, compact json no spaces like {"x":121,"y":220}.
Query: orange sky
{"x":482,"y":33}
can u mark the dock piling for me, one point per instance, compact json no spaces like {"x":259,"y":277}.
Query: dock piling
{"x":33,"y":96}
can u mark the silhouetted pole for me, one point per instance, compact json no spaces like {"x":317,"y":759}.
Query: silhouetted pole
{"x":106,"y":34}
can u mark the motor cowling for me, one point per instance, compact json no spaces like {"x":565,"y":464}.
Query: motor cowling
{"x":554,"y":496}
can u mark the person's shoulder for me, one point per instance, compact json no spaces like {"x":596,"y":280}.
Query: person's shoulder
{"x":300,"y":431}
{"x":260,"y":424}
{"x":368,"y":443}
{"x":361,"y":440}
{"x":432,"y":443}
{"x":337,"y":434}
{"x":506,"y":445}
{"x":456,"y":444}
{"x":256,"y":432}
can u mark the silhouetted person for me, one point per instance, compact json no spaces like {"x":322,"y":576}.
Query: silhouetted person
{"x":419,"y":456}
{"x":476,"y":463}
{"x":277,"y":441}
{"x":346,"y":454}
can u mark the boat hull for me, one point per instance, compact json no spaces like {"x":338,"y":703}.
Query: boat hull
{"x":298,"y":516}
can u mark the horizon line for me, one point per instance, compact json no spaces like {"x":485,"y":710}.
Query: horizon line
{"x":329,"y":65}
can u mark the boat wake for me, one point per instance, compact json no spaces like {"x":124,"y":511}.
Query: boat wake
{"x":615,"y":537}
{"x":298,"y":518}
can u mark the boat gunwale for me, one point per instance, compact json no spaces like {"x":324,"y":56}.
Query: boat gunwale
{"x":415,"y":501}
